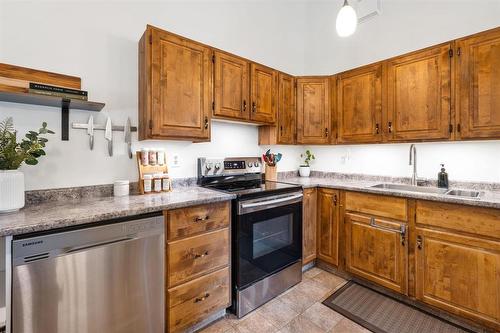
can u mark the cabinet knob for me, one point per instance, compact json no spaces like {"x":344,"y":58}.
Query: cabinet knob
{"x":198,"y":255}
{"x":201,"y":299}
{"x":326,"y":132}
{"x":244,"y":105}
{"x":206,"y":122}
{"x":389,"y":126}
{"x":202,"y":218}
{"x":377,"y":129}
{"x":335,"y":199}
{"x":254,"y":107}
{"x":419,"y":242}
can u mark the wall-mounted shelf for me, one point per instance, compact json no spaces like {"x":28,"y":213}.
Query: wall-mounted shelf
{"x":60,"y":102}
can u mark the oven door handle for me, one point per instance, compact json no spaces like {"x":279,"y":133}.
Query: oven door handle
{"x":271,"y":202}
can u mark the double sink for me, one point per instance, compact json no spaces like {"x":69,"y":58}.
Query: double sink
{"x":468,"y":194}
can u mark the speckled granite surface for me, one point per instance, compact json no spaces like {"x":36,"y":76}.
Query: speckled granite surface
{"x":58,"y":214}
{"x":488,"y":198}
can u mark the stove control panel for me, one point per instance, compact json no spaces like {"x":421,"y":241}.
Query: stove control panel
{"x":210,"y":167}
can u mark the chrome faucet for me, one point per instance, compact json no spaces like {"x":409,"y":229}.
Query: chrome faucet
{"x":413,"y":161}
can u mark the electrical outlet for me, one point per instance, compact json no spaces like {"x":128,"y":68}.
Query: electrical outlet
{"x":175,"y":162}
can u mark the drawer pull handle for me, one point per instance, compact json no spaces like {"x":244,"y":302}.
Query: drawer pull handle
{"x":402,"y":230}
{"x":201,"y":218}
{"x":201,"y":299}
{"x":197,"y":255}
{"x":419,"y":242}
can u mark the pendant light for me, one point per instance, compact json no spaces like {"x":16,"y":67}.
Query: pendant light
{"x":347,"y":20}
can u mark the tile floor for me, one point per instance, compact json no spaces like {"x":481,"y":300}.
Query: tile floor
{"x":298,"y":310}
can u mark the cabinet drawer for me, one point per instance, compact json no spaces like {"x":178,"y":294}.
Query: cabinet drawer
{"x":473,"y":220}
{"x":194,"y":301}
{"x":189,"y":221}
{"x":192,"y":257}
{"x":378,"y":205}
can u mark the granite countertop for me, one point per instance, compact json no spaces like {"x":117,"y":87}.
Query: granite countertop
{"x":58,"y":214}
{"x":487,"y":198}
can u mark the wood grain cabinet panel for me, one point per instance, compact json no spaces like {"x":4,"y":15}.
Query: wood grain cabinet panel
{"x":284,"y":131}
{"x":478,"y":86}
{"x":328,"y":226}
{"x":194,"y":301}
{"x":309,"y":225}
{"x":231,"y":86}
{"x":359,"y":105}
{"x":191,"y":257}
{"x":377,"y":205}
{"x":189,"y":221}
{"x":459,"y":274}
{"x":174,"y":87}
{"x":418,"y":95}
{"x":313,"y":111}
{"x":263,"y":91}
{"x":376,"y":250}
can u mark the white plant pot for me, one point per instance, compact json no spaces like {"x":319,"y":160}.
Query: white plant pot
{"x":11,"y":190}
{"x":304,"y":171}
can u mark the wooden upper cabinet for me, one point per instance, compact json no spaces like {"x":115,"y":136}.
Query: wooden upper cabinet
{"x":313,"y":110}
{"x":359,"y":105}
{"x":418,"y":95}
{"x":284,"y":131}
{"x":263,"y":91}
{"x":231,"y":86}
{"x":478,"y":86}
{"x":174,"y":87}
{"x":459,"y":274}
{"x":328,"y":225}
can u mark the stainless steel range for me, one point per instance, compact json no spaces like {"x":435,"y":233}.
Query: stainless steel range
{"x":266,"y":229}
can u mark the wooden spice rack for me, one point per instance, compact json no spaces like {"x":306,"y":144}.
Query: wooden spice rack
{"x":150,"y":169}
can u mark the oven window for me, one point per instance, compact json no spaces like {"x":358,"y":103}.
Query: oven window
{"x":272,"y":235}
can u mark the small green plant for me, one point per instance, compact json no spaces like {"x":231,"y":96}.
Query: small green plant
{"x":308,"y":157}
{"x":13,"y":153}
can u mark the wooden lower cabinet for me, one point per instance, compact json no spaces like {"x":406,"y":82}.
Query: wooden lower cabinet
{"x":309,"y":225}
{"x":460,"y":274}
{"x":190,"y":303}
{"x":376,"y":249}
{"x":198,"y":277}
{"x":328,"y":226}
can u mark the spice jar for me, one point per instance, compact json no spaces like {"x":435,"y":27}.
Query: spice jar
{"x":148,"y":180}
{"x":161,"y":156}
{"x":166,"y":182}
{"x":145,"y":156}
{"x":157,"y":182}
{"x":152,"y":157}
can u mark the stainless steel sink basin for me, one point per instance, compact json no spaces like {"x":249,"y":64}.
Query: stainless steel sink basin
{"x":464,"y":193}
{"x":410,"y":188}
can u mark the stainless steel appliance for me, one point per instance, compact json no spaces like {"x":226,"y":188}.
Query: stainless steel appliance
{"x":107,"y":278}
{"x":266,"y":229}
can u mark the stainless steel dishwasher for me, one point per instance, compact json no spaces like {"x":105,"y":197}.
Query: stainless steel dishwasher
{"x":108,"y":278}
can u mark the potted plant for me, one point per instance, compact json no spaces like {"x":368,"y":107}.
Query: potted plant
{"x":305,"y":169}
{"x":12,"y":155}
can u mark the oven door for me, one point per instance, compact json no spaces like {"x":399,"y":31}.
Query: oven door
{"x":268,"y":236}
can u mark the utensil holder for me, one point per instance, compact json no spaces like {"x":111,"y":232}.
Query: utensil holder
{"x":271,"y":173}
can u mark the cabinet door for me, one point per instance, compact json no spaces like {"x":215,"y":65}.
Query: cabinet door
{"x":180,"y":87}
{"x":328,"y":226}
{"x":359,"y":105}
{"x":231,"y":86}
{"x":309,"y":223}
{"x":263,"y":92}
{"x":478,"y":85}
{"x":313,"y":111}
{"x":419,"y":90}
{"x":376,"y":250}
{"x":286,"y":109}
{"x":459,"y":274}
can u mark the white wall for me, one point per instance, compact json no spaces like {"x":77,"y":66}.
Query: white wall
{"x":403,"y":26}
{"x":97,"y":40}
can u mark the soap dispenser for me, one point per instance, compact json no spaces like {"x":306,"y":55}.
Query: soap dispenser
{"x":443,"y":178}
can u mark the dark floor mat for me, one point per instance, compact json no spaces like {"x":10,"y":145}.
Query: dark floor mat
{"x":382,"y":314}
